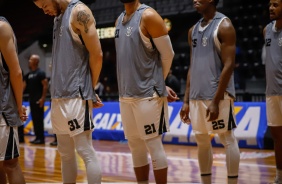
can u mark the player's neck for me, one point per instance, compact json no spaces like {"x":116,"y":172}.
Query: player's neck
{"x":278,"y":25}
{"x":130,"y":8}
{"x":64,"y":4}
{"x":208,"y":17}
{"x":34,"y":69}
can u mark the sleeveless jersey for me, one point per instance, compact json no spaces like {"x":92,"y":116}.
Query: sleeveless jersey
{"x":8,"y":105}
{"x":206,"y":64}
{"x":70,"y":73}
{"x":139,"y":69}
{"x":273,"y":60}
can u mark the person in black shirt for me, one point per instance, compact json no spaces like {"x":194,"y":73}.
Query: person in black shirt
{"x":36,"y":85}
{"x":173,"y":82}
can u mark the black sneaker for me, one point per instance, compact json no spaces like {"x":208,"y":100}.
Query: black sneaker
{"x":54,"y":143}
{"x":38,"y":142}
{"x":33,"y":141}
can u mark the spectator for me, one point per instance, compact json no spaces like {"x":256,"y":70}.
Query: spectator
{"x":173,"y":82}
{"x":36,"y":84}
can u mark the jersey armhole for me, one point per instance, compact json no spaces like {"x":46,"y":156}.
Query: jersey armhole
{"x":215,"y":37}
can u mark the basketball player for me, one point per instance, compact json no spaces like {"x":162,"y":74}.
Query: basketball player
{"x":273,"y":53}
{"x":144,"y":57}
{"x":210,"y":88}
{"x":76,"y":66}
{"x":12,"y":113}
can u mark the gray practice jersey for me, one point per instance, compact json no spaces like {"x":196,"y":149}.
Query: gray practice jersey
{"x":206,"y":65}
{"x":8,"y":105}
{"x":70,"y":75}
{"x":273,"y":60}
{"x":139,"y":69}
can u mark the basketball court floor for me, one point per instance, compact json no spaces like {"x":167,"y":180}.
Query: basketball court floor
{"x":41,"y":164}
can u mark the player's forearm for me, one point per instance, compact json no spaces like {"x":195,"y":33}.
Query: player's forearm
{"x":95,"y":67}
{"x":187,"y":89}
{"x":17,"y":86}
{"x":223,"y":82}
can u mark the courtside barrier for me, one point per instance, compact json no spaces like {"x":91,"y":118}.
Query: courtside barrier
{"x":250,"y":117}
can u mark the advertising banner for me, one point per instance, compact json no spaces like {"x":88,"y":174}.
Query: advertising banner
{"x":250,"y":118}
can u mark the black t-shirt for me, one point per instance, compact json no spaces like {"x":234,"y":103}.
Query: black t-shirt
{"x":173,"y":83}
{"x":34,"y":85}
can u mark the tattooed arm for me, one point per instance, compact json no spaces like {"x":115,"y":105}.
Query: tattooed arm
{"x":83,"y":23}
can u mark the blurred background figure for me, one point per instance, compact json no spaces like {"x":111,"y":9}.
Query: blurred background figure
{"x":36,"y":84}
{"x":173,"y":82}
{"x":99,"y":89}
{"x":21,"y":128}
{"x":55,"y":142}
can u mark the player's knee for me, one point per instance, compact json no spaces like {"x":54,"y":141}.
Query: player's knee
{"x":66,"y":156}
{"x":158,"y":156}
{"x":203,"y":140}
{"x":87,"y":154}
{"x":139,"y":152}
{"x":10,"y":165}
{"x":227,"y":138}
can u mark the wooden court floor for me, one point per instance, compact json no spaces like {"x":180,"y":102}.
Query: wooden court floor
{"x":41,"y":164}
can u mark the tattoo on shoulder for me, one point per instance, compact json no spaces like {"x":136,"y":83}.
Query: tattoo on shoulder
{"x":83,"y":19}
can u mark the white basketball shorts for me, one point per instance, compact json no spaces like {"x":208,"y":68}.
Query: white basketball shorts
{"x":274,"y":110}
{"x":71,"y":116}
{"x":9,"y":141}
{"x":144,"y":118}
{"x":226,"y":119}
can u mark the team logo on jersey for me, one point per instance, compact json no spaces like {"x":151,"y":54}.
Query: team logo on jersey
{"x":280,"y":42}
{"x":204,"y":41}
{"x":128,"y":31}
{"x":61,"y":30}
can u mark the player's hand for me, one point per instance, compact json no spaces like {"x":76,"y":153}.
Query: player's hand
{"x":184,"y":114}
{"x":98,"y":103}
{"x":22,"y":113}
{"x":40,"y":102}
{"x":172,"y":96}
{"x":212,"y":111}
